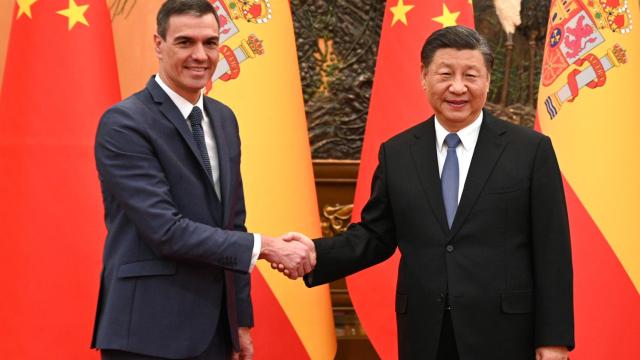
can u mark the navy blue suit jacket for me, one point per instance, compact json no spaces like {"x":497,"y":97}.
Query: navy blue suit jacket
{"x":170,"y":241}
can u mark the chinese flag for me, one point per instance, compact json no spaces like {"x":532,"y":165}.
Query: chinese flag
{"x":397,"y":103}
{"x":587,"y":104}
{"x":60,"y":75}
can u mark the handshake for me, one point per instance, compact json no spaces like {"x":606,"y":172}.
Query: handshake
{"x":293,"y":254}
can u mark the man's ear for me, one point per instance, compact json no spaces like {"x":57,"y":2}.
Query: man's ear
{"x":423,"y":76}
{"x":157,"y":44}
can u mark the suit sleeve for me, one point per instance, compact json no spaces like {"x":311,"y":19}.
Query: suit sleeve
{"x":130,"y":172}
{"x":553,"y":273}
{"x":364,"y":244}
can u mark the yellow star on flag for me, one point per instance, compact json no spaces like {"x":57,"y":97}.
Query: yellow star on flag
{"x":25,"y":7}
{"x":447,"y":18}
{"x":400,"y":12}
{"x":75,"y":14}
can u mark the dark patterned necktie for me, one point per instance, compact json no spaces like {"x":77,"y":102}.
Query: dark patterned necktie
{"x":451,"y":177}
{"x":198,"y":135}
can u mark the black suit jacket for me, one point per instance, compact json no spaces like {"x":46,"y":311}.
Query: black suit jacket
{"x":170,"y":242}
{"x":505,"y":263}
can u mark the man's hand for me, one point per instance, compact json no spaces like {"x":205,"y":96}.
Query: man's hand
{"x":293,"y":257}
{"x":246,"y":345}
{"x":552,"y":353}
{"x":303,"y":239}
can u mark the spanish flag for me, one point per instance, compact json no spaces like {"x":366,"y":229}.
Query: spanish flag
{"x":587,"y":105}
{"x":397,"y":103}
{"x":59,"y":76}
{"x":258,"y":77}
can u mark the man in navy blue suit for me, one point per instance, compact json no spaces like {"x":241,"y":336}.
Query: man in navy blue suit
{"x":175,"y":282}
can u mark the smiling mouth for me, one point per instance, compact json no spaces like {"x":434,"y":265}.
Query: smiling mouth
{"x":197,"y":69}
{"x":456,"y":103}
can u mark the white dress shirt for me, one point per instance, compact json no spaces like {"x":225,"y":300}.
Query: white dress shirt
{"x":185,"y":108}
{"x":464,"y":151}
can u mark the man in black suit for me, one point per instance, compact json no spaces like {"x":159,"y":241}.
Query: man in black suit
{"x":476,"y":207}
{"x":175,"y":282}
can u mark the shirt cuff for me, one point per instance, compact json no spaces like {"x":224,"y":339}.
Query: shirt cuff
{"x":257,"y":244}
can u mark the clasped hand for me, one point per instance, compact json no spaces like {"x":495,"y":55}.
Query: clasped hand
{"x":293,"y":254}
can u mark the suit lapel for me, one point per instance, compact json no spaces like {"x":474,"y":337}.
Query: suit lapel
{"x":485,"y":156}
{"x":223,"y":158}
{"x":171,"y":112}
{"x":425,"y":159}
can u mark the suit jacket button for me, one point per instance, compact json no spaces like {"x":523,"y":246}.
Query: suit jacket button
{"x":449,"y":248}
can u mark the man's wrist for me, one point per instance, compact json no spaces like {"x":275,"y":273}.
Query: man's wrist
{"x":265,"y":247}
{"x":257,"y":244}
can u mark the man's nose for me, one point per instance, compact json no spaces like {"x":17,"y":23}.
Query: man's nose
{"x":199,"y":52}
{"x":457,"y":86}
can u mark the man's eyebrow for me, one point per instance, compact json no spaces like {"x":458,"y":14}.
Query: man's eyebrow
{"x":187,"y":37}
{"x":446,"y":63}
{"x":182,"y":37}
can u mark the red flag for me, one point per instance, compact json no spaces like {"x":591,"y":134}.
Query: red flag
{"x":397,"y":103}
{"x":60,"y":75}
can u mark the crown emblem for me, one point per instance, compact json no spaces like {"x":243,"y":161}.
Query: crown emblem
{"x":614,"y":15}
{"x":253,"y":11}
{"x":255,"y":46}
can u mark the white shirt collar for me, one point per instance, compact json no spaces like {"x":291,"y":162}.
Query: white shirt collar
{"x":183,"y":104}
{"x":468,"y":135}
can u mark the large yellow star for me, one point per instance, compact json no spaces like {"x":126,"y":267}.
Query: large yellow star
{"x":25,"y":7}
{"x":400,"y":12}
{"x":75,"y":14}
{"x":447,"y":18}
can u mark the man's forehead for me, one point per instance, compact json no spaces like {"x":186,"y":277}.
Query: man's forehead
{"x":452,"y":56}
{"x":457,"y":52}
{"x":185,"y":24}
{"x":465,"y":63}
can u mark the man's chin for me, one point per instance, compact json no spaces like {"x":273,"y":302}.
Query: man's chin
{"x":457,"y":118}
{"x":198,"y":85}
